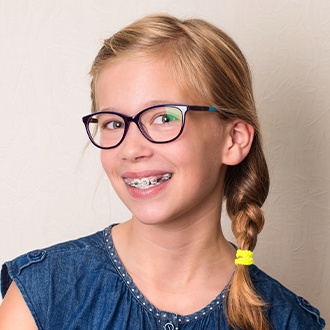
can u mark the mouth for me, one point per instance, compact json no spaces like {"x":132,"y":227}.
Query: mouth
{"x":145,"y":183}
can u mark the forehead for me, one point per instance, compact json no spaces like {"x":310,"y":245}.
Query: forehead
{"x":135,"y":82}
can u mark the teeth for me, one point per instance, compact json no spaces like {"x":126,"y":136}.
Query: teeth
{"x":166,"y":176}
{"x":145,"y":183}
{"x":153,"y":181}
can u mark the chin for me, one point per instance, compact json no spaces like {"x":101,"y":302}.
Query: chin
{"x":151,"y":218}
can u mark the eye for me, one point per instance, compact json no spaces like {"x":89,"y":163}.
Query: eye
{"x":110,"y":122}
{"x":165,"y":118}
{"x":113,"y":125}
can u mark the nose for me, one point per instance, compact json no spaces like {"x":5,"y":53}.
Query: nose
{"x":135,"y":146}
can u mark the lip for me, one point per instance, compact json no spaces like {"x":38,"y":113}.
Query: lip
{"x":150,"y":192}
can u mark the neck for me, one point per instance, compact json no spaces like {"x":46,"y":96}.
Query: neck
{"x":158,"y":249}
{"x":170,"y":264}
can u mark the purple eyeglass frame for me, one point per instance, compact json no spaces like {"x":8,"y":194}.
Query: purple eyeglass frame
{"x":136,"y":119}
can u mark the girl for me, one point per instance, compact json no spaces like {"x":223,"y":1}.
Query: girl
{"x":174,"y":116}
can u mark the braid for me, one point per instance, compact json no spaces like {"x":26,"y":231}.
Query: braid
{"x":246,"y":188}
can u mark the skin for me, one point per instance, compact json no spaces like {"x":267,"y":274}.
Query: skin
{"x":173,"y":244}
{"x":175,"y":227}
{"x":14,"y":313}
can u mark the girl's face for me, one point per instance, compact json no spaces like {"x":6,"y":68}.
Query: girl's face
{"x":193,"y":161}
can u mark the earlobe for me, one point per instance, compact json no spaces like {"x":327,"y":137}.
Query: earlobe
{"x":240,"y":138}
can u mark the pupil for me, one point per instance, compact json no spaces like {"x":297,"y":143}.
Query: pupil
{"x":166,"y":119}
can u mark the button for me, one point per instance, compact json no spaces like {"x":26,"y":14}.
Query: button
{"x":169,"y":326}
{"x":306,"y":302}
{"x":35,"y":255}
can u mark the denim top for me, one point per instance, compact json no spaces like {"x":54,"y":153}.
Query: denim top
{"x":82,"y":284}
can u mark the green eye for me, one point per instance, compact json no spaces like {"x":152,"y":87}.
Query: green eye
{"x":165,"y":118}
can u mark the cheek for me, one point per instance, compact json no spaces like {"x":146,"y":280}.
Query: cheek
{"x":106,"y":161}
{"x":108,"y":164}
{"x":207,"y":164}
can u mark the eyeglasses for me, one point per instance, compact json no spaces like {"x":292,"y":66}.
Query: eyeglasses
{"x":158,"y":124}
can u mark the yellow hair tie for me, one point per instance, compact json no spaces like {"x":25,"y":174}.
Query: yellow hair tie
{"x":244,"y":257}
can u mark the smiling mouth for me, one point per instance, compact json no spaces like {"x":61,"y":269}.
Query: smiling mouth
{"x":146,"y":183}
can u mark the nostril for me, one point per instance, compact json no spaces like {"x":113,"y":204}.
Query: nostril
{"x":135,"y":146}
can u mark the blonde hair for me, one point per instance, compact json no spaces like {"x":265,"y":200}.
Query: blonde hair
{"x":206,"y":61}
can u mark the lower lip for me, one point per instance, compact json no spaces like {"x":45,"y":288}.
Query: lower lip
{"x":147,"y":193}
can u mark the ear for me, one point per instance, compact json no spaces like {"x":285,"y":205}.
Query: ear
{"x":239,"y":140}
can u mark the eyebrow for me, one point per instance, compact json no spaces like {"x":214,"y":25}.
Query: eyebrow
{"x":146,"y":105}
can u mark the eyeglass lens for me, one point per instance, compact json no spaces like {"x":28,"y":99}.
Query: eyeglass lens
{"x":158,"y":124}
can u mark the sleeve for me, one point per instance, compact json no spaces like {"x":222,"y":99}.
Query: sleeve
{"x":316,"y":322}
{"x":29,"y":272}
{"x":5,"y":280}
{"x":295,"y":313}
{"x":285,"y":309}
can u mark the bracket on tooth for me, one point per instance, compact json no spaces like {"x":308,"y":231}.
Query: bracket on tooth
{"x":167,"y":176}
{"x":145,"y":182}
{"x":153,"y":181}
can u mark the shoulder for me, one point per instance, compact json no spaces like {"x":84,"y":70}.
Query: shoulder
{"x":42,"y":273}
{"x":65,"y":254}
{"x":285,"y":309}
{"x":67,"y":272}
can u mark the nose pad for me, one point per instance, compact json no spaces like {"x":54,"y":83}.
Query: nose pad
{"x":135,"y":146}
{"x":145,"y":131}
